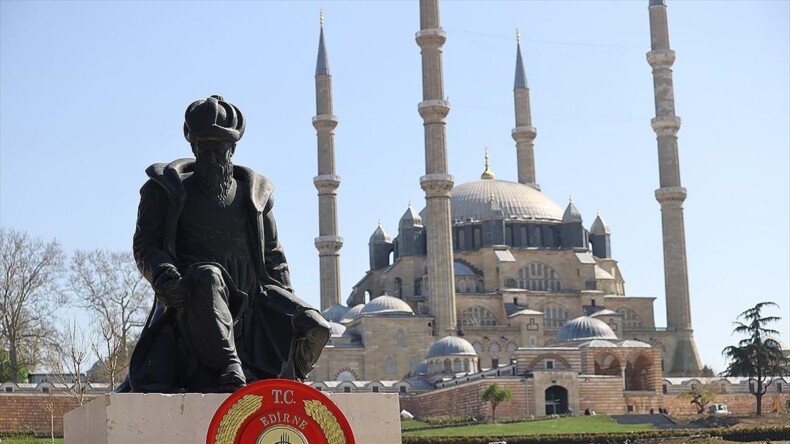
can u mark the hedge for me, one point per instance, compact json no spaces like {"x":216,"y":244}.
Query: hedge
{"x":740,"y":435}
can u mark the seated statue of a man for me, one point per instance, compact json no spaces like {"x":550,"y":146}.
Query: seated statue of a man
{"x":224,"y":312}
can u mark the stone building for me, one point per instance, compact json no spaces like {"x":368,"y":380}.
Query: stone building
{"x":499,"y":263}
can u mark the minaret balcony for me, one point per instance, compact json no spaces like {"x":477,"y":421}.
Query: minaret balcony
{"x":525,"y":133}
{"x":671,"y":194}
{"x":437,"y":185}
{"x":665,"y":125}
{"x":433,"y":111}
{"x":661,"y":58}
{"x":431,"y":37}
{"x":326,"y":183}
{"x":328,"y":244}
{"x":325,"y":122}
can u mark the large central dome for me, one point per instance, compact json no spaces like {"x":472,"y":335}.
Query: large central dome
{"x":473,"y":200}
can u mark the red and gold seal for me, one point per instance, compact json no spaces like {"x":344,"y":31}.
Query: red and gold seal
{"x":279,"y":411}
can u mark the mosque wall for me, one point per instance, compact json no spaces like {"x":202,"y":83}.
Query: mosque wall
{"x":465,"y":401}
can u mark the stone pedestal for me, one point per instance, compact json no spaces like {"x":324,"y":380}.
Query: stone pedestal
{"x":118,"y":418}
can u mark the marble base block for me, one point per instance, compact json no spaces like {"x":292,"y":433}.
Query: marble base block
{"x":117,"y":418}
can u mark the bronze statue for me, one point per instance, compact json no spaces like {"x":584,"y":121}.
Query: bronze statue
{"x":224,"y":312}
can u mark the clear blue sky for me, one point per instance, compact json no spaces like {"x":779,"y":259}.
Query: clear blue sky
{"x":91,"y":93}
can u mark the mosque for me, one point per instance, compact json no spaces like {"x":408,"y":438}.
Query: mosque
{"x":494,"y":278}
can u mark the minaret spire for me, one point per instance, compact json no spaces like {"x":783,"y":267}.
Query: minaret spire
{"x":524,"y":133}
{"x":326,"y":182}
{"x":671,"y":194}
{"x":436,"y":182}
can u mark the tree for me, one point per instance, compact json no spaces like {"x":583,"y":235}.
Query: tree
{"x":495,"y":395}
{"x":758,"y":357}
{"x":68,"y":360}
{"x":29,"y":294}
{"x":109,"y":285}
{"x":700,"y":396}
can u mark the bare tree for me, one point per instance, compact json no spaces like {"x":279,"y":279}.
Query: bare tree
{"x":109,"y":284}
{"x":69,"y":360}
{"x":29,"y":294}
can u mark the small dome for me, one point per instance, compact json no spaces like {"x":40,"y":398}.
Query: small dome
{"x":461,"y":269}
{"x":571,"y":214}
{"x":334,"y":313}
{"x":386,"y":305}
{"x":379,"y":236}
{"x":352,"y":313}
{"x":410,"y":218}
{"x":634,"y":344}
{"x":422,"y":368}
{"x":451,"y":346}
{"x":597,"y":343}
{"x":336,"y":330}
{"x":599,"y":227}
{"x":605,"y":312}
{"x":584,"y":328}
{"x":526,"y":311}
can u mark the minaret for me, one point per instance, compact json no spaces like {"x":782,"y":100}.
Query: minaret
{"x":436,"y":182}
{"x":524,"y":133}
{"x":326,"y":182}
{"x":671,"y":194}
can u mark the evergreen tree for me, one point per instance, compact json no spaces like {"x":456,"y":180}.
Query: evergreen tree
{"x":758,"y":357}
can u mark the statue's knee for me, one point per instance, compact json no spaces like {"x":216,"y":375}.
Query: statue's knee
{"x":207,"y":276}
{"x":311,"y":322}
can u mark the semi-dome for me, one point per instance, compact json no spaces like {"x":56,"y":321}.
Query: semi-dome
{"x":584,"y":328}
{"x":386,"y":305}
{"x":452,"y":346}
{"x":472,"y":200}
{"x":352,"y":313}
{"x":334,"y":313}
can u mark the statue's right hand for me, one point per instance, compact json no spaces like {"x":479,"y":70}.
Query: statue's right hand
{"x":168,"y":289}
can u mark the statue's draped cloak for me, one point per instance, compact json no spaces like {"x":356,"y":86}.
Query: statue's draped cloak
{"x":262,"y":319}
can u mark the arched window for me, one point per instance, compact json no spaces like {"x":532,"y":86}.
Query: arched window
{"x":345,"y":375}
{"x":418,"y":287}
{"x":398,"y":285}
{"x":457,"y":367}
{"x":461,"y":239}
{"x":476,"y":317}
{"x":524,"y":236}
{"x":607,"y":364}
{"x":477,"y":238}
{"x":390,"y":364}
{"x":538,"y":277}
{"x":447,"y":365}
{"x":461,"y":285}
{"x":630,"y":318}
{"x":554,"y":316}
{"x":400,"y":339}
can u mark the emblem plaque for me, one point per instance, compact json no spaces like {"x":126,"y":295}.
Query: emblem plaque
{"x":279,"y":411}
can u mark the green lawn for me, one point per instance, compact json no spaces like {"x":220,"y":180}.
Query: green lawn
{"x":578,"y":424}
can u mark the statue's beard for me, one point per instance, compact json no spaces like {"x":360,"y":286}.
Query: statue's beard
{"x":214,"y":174}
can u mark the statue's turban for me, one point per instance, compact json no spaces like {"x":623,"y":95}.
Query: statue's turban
{"x":213,"y":119}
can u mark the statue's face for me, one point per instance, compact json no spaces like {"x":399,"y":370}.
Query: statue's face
{"x":214,"y":148}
